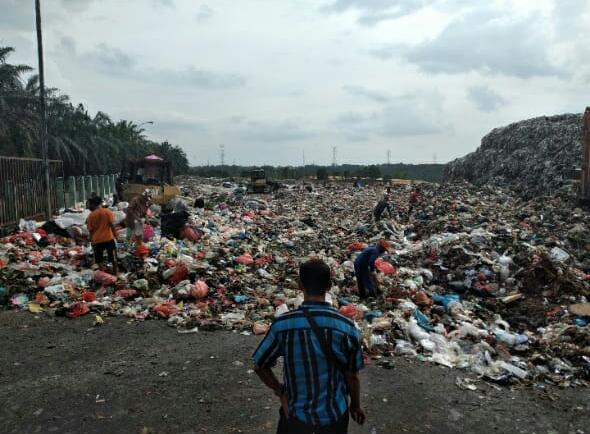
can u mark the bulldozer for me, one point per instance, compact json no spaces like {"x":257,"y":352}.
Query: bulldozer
{"x":151,"y":173}
{"x":259,"y":183}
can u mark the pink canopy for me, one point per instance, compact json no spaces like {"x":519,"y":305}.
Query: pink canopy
{"x":153,"y":157}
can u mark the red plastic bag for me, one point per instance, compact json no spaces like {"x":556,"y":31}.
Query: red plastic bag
{"x":141,"y":251}
{"x":180,"y":274}
{"x":384,"y":267}
{"x":166,"y":309}
{"x":200,"y":290}
{"x":351,"y":311}
{"x":357,"y":246}
{"x":189,"y":233}
{"x":77,"y":309}
{"x":261,"y":262}
{"x":170,"y":263}
{"x":104,"y":279}
{"x":245,"y":259}
{"x":148,"y":232}
{"x":88,"y":296}
{"x":125,"y":293}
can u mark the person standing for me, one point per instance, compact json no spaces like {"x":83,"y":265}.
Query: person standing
{"x":364,"y":268}
{"x":383,"y":205}
{"x":135,"y":217}
{"x":101,"y":225}
{"x":322,"y":356}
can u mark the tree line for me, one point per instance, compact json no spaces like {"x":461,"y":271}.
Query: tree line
{"x":425,"y":172}
{"x":87,"y":145}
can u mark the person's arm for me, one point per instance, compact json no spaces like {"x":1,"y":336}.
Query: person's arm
{"x":268,"y":377}
{"x":265,"y":357}
{"x":354,"y":390}
{"x":355,"y":362}
{"x":89,"y":225}
{"x":112,"y":222}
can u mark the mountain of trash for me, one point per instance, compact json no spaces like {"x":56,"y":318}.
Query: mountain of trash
{"x":533,"y":157}
{"x":478,"y":279}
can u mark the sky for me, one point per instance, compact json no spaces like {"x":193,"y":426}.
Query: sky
{"x":288,"y":81}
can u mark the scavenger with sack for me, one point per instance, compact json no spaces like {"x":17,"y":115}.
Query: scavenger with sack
{"x":322,"y":356}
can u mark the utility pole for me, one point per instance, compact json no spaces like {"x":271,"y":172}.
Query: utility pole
{"x":303,"y":157}
{"x":334,"y":150}
{"x":43,"y":111}
{"x":388,"y":157}
{"x":222,"y":155}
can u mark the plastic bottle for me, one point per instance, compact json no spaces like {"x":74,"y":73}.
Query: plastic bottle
{"x":510,"y":339}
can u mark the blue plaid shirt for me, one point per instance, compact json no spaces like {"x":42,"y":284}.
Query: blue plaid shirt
{"x":316,"y":390}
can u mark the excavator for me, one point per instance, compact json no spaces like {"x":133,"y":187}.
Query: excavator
{"x":151,"y":173}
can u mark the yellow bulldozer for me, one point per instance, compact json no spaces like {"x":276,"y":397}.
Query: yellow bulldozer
{"x":259,"y":183}
{"x":150,"y":173}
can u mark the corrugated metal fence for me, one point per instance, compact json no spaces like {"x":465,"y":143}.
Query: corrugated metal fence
{"x":23,"y":193}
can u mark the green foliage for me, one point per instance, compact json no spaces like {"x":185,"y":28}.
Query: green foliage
{"x":425,"y":172}
{"x":322,"y":173}
{"x":86,"y":144}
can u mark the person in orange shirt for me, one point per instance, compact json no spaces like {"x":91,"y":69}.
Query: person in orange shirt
{"x":101,"y":225}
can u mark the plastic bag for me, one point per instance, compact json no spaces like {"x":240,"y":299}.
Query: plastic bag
{"x":104,"y":279}
{"x":199,"y":290}
{"x":148,"y":232}
{"x":245,"y":259}
{"x":166,"y":309}
{"x":180,"y":273}
{"x":189,"y":233}
{"x":77,"y":310}
{"x":384,"y":267}
{"x":142,"y":251}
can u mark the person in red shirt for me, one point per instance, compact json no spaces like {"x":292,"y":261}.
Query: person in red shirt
{"x":101,"y":225}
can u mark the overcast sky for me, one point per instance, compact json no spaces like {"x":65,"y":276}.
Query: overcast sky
{"x":269,"y":79}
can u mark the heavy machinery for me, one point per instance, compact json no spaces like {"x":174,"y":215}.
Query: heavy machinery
{"x":259,"y":183}
{"x":150,"y":173}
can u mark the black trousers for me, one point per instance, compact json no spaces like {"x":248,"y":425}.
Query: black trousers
{"x":110,"y":247}
{"x":292,"y":425}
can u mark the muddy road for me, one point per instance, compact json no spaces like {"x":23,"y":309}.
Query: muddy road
{"x":66,"y":376}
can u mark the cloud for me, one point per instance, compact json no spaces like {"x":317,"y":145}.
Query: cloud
{"x":372,"y":12}
{"x":17,"y":15}
{"x":373,"y":95}
{"x":199,"y":78}
{"x":488,"y":42}
{"x":115,"y":62}
{"x":403,"y":116}
{"x":273,"y":131}
{"x":166,"y":3}
{"x":205,"y":13}
{"x":485,"y":99}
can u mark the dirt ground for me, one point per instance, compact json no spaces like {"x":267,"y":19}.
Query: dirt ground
{"x":66,"y":376}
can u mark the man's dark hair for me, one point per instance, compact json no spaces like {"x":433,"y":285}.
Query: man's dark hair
{"x":315,"y":276}
{"x":95,"y":201}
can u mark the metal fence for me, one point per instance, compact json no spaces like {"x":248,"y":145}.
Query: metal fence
{"x":23,"y":193}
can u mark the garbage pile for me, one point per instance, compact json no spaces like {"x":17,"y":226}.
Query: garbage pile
{"x":477,"y":279}
{"x":533,"y":157}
